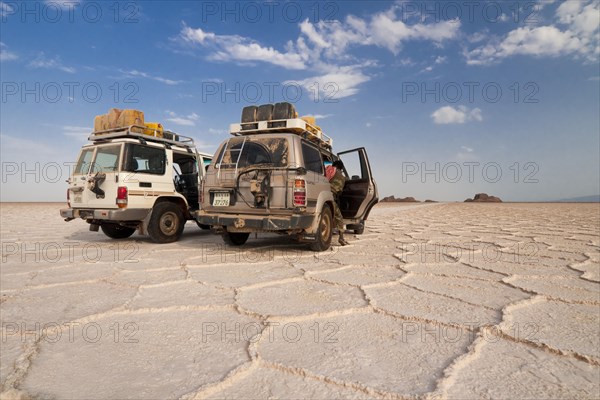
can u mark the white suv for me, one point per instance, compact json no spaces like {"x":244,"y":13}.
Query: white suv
{"x":126,"y":181}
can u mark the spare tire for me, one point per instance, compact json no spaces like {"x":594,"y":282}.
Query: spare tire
{"x":284,"y":110}
{"x":249,"y":114}
{"x":264,"y":112}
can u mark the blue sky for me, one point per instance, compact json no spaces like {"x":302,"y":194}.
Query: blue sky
{"x":450,"y":98}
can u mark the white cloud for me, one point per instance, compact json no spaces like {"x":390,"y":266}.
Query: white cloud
{"x":458,"y":115}
{"x":214,"y":131}
{"x":335,"y":85}
{"x":6,"y":9}
{"x":323,"y":48}
{"x":240,"y":49}
{"x":6,"y":55}
{"x":41,"y":61}
{"x":136,"y":73}
{"x":11,"y":146}
{"x":580,"y":38}
{"x":440,"y":59}
{"x":188,"y":120}
{"x":467,"y":149}
{"x":320,"y":116}
{"x":77,"y":132}
{"x":66,"y":4}
{"x":583,"y":19}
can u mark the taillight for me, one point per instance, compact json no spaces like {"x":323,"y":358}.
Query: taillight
{"x":69,"y":198}
{"x":122,"y":196}
{"x":299,"y":192}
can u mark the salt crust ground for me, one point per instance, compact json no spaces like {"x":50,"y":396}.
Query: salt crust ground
{"x":432,"y":301}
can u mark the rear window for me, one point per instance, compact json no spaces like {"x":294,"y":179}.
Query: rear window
{"x":246,"y":152}
{"x":144,"y":159}
{"x":107,"y":159}
{"x":84,"y":162}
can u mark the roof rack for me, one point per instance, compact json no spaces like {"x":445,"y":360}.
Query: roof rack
{"x":145,"y":133}
{"x":294,"y":125}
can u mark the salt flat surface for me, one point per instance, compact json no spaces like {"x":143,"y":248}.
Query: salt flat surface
{"x":433,"y":301}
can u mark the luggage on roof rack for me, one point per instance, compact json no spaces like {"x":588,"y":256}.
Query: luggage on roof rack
{"x":280,"y":117}
{"x":157,"y":135}
{"x":294,"y":125}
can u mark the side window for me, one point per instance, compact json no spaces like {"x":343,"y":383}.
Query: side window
{"x":206,"y":162}
{"x":145,"y":159}
{"x":312,"y":158}
{"x":83,"y":164}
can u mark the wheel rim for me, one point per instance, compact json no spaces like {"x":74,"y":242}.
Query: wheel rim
{"x":169,"y":223}
{"x":325,"y":227}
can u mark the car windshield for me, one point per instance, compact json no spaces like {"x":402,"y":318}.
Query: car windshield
{"x":246,"y":152}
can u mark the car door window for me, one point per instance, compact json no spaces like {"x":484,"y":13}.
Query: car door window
{"x":355,"y":166}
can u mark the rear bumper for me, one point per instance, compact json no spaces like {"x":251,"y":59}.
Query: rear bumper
{"x":256,"y":223}
{"x":118,"y":214}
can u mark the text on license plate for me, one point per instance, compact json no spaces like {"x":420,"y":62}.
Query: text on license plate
{"x":221,"y":199}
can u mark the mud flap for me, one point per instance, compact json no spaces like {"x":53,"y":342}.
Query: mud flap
{"x":143,"y":227}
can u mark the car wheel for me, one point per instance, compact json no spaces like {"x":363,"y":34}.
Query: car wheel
{"x":359,"y":228}
{"x":235,"y":238}
{"x":284,"y":110}
{"x":249,"y":114}
{"x":324,"y":231}
{"x":115,"y":231}
{"x":166,"y":223}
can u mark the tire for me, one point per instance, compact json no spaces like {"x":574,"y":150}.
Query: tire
{"x":359,"y":229}
{"x":284,"y":110}
{"x":202,"y":226}
{"x":235,"y":238}
{"x":166,"y":223}
{"x":115,"y":231}
{"x":264,"y":112}
{"x":324,"y":231}
{"x":249,"y":114}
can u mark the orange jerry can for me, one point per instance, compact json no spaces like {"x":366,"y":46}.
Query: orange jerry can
{"x":154,"y":129}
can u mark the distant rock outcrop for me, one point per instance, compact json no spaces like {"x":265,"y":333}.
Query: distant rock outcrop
{"x":430,"y":201}
{"x":392,"y":199}
{"x":484,"y":198}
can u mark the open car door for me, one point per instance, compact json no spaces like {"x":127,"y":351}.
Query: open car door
{"x":360,"y":191}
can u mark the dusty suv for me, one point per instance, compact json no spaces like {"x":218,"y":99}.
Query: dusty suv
{"x":125,"y":181}
{"x":270,"y":177}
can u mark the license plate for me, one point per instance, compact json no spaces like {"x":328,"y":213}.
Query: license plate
{"x":221,"y":199}
{"x":77,"y":198}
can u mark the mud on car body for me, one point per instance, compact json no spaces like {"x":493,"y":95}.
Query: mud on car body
{"x":270,"y":177}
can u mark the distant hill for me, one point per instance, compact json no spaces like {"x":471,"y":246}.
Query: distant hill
{"x":484,"y":198}
{"x":583,"y":199}
{"x":392,"y":199}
